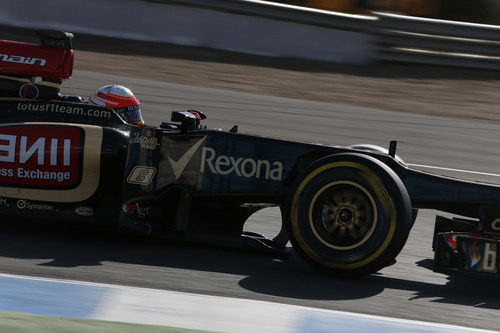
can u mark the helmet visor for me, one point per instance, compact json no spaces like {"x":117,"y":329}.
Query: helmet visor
{"x":131,"y":115}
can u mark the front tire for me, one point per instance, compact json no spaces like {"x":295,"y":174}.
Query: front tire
{"x":349,"y":214}
{"x":374,"y":148}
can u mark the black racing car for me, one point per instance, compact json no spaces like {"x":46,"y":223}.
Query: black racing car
{"x":346,"y":210}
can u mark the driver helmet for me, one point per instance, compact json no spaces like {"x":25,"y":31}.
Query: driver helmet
{"x":122,"y":100}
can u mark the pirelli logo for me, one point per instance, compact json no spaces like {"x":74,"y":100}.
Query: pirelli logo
{"x":36,"y":156}
{"x":49,"y":162}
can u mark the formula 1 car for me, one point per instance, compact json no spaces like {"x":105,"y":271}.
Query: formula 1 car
{"x":347,"y":210}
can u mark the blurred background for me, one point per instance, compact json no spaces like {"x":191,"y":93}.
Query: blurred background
{"x":479,"y":11}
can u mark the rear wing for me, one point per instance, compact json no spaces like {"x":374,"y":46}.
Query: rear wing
{"x":52,"y":58}
{"x":36,"y":71}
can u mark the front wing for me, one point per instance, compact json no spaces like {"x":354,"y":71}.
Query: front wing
{"x":465,"y":251}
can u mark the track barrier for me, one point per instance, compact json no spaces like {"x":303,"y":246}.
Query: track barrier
{"x":270,"y":29}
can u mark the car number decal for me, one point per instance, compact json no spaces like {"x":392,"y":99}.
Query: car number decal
{"x":141,"y":175}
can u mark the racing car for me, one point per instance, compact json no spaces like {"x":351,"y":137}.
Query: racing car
{"x":347,"y":210}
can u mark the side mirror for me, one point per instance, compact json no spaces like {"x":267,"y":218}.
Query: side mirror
{"x":189,"y":121}
{"x":182,"y":116}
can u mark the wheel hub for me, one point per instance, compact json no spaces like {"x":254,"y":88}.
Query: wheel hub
{"x":343,"y":215}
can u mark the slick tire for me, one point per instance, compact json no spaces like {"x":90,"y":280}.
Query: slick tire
{"x":378,"y":149}
{"x":348,"y":214}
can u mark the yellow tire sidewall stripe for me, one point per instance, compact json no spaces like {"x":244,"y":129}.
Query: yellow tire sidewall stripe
{"x":380,"y":192}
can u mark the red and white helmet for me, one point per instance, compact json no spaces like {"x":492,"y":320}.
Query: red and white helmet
{"x":120,"y":99}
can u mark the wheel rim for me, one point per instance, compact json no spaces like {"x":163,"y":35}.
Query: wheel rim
{"x":343,"y":215}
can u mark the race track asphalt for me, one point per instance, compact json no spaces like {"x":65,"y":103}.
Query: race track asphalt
{"x":409,"y":289}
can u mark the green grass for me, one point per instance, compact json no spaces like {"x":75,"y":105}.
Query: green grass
{"x":13,"y":322}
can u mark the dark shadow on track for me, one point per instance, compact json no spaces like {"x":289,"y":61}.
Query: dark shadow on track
{"x":459,"y":290}
{"x":61,"y":250}
{"x":163,"y":50}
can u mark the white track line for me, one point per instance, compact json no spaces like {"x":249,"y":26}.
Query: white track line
{"x":228,"y":314}
{"x":451,"y":169}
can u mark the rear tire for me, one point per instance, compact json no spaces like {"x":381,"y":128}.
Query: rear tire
{"x":349,"y":214}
